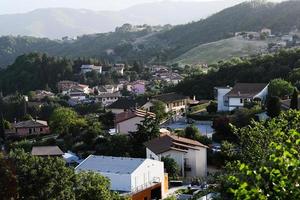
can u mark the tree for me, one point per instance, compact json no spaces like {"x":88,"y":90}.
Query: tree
{"x":273,"y":106}
{"x":294,"y":100}
{"x":171,"y":166}
{"x":191,"y":132}
{"x":159,"y":110}
{"x":92,"y":186}
{"x":212,"y":107}
{"x":63,"y":119}
{"x":42,"y":178}
{"x":280,"y":88}
{"x":2,"y":125}
{"x":8,"y":181}
{"x":147,"y":130}
{"x":268,"y":165}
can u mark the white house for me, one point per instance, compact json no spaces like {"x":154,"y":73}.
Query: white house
{"x":90,"y":68}
{"x":140,"y":178}
{"x":190,"y":155}
{"x":233,"y":98}
{"x":127,"y":121}
{"x":108,"y":98}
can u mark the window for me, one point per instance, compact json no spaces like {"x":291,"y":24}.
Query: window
{"x":41,"y":129}
{"x":30,"y":131}
{"x":241,"y":100}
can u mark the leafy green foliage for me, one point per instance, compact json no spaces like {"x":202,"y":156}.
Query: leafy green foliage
{"x":35,"y":71}
{"x":273,"y":106}
{"x":159,"y":109}
{"x":64,"y":119}
{"x":280,"y":88}
{"x":259,"y":69}
{"x":171,"y":167}
{"x":268,"y":160}
{"x":29,"y":177}
{"x":90,"y":185}
{"x":294,"y":100}
{"x":212,"y":107}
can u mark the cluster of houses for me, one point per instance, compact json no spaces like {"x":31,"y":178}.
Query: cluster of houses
{"x":140,"y":178}
{"x":275,"y":42}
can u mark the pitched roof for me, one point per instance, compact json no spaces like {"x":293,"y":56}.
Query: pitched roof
{"x":171,"y":142}
{"x":131,"y":114}
{"x":246,"y":89}
{"x":107,"y":95}
{"x":107,"y":164}
{"x":170,"y":97}
{"x":30,"y":124}
{"x":46,"y":151}
{"x":128,"y":103}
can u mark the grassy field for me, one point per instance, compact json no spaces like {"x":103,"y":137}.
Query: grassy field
{"x":221,"y":50}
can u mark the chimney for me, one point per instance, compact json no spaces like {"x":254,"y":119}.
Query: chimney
{"x":194,"y":98}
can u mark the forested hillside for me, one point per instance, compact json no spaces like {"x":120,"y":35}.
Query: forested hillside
{"x":164,"y":45}
{"x":261,"y":69}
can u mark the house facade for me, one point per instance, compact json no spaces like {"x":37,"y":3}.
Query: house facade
{"x":138,"y":178}
{"x":28,"y":128}
{"x":190,"y":155}
{"x":128,"y":121}
{"x":175,"y":103}
{"x":233,"y":98}
{"x":90,"y":68}
{"x":108,"y":98}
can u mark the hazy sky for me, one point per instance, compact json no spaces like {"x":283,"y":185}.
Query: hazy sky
{"x":20,"y":6}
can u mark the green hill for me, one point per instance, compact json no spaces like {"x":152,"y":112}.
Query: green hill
{"x":213,"y":52}
{"x":166,"y":45}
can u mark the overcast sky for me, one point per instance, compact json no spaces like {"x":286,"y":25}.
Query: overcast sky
{"x":20,"y":6}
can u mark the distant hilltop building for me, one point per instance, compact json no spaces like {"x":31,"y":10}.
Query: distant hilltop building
{"x":90,"y":68}
{"x":266,"y":31}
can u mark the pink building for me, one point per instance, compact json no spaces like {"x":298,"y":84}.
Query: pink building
{"x":29,"y":127}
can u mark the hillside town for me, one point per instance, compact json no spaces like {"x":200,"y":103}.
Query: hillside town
{"x":119,"y":115}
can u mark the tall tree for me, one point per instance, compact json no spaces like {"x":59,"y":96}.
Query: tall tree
{"x":273,"y":106}
{"x":268,"y":165}
{"x":294,"y":100}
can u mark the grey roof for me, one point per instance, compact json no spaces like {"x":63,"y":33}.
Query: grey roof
{"x":30,"y":124}
{"x":107,"y":164}
{"x":46,"y":151}
{"x":170,"y":97}
{"x":246,"y":89}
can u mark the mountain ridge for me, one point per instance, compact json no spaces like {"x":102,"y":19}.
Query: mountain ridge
{"x":74,"y":22}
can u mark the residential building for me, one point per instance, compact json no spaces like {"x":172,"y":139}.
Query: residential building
{"x":137,"y":87}
{"x":266,"y":31}
{"x":174,"y":102}
{"x":124,"y":104}
{"x":286,"y":104}
{"x":39,"y":95}
{"x":139,"y":178}
{"x":190,"y":155}
{"x":65,"y":85}
{"x":108,"y":98}
{"x":27,"y":128}
{"x":90,"y":68}
{"x":127,"y":121}
{"x":169,"y":77}
{"x":233,"y":98}
{"x":119,"y":68}
{"x":45,"y":151}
